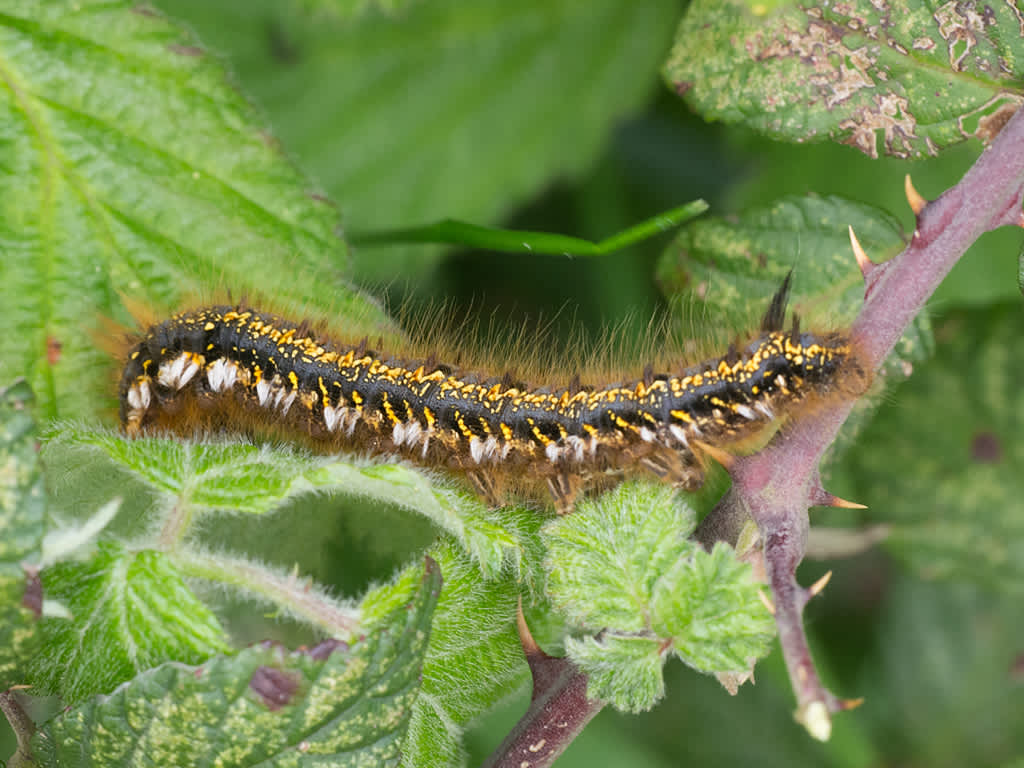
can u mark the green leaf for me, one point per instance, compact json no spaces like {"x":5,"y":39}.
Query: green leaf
{"x":902,"y":83}
{"x":191,"y":479}
{"x":474,"y":659}
{"x":953,"y":495}
{"x":22,"y":509}
{"x":347,"y":9}
{"x":130,"y":610}
{"x":264,"y":706}
{"x":724,"y":264}
{"x":410,"y":119}
{"x":708,"y":604}
{"x":625,"y":671}
{"x":133,"y":168}
{"x":622,"y":566}
{"x":605,"y":560}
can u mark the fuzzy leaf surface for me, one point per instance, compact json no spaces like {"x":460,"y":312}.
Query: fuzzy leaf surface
{"x":22,"y":510}
{"x":449,"y":109}
{"x":895,"y":79}
{"x":474,"y":660}
{"x":622,"y":566}
{"x":129,"y":611}
{"x":264,"y":706}
{"x":200,"y":478}
{"x":132,"y":167}
{"x":949,"y":478}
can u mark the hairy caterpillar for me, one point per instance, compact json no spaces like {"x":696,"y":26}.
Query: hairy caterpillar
{"x":210,"y":367}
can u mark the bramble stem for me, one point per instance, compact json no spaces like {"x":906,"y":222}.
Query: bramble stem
{"x":776,"y":486}
{"x":557,"y":714}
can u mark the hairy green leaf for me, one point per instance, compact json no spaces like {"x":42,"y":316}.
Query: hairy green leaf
{"x":130,"y":610}
{"x":450,"y":109}
{"x":605,"y":560}
{"x":192,"y":479}
{"x":133,"y":168}
{"x":708,"y":604}
{"x":622,"y":566}
{"x":345,"y":707}
{"x":902,"y":80}
{"x":624,"y":670}
{"x":474,"y":660}
{"x":22,"y":509}
{"x":953,"y":495}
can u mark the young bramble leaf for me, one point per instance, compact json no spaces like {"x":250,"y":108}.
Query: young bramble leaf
{"x":330,"y":704}
{"x":624,"y":670}
{"x":604,"y":560}
{"x":22,"y":507}
{"x":622,"y":567}
{"x":708,"y":605}
{"x":852,"y":72}
{"x":710,"y":262}
{"x":129,"y":612}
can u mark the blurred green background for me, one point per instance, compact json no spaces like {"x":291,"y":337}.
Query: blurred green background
{"x":553,"y":116}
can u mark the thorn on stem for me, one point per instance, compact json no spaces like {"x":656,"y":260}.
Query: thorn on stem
{"x":817,"y":587}
{"x":727,"y":460}
{"x":847,"y":704}
{"x":914,"y":199}
{"x":530,"y":647}
{"x":865,"y":264}
{"x":822,"y":498}
{"x":767,"y":601}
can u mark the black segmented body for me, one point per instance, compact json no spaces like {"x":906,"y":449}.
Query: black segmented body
{"x":338,"y":395}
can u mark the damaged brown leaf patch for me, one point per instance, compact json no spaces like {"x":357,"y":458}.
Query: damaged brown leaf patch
{"x":875,"y":75}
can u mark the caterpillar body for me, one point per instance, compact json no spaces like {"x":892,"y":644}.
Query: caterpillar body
{"x":207,"y":368}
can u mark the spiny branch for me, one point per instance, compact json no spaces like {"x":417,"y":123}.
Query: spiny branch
{"x":559,"y":709}
{"x":776,"y":486}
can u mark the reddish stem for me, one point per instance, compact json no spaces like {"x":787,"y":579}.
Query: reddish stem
{"x":776,"y":486}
